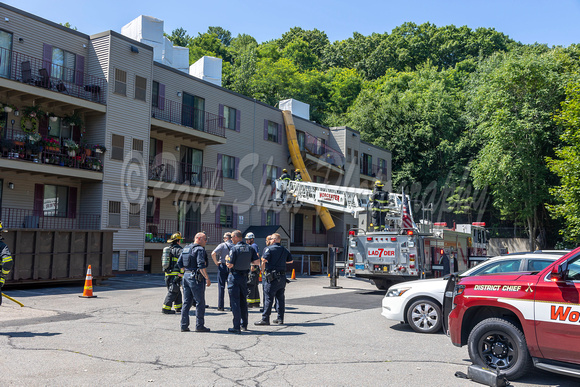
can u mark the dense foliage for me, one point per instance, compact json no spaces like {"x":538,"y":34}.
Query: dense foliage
{"x":468,"y":114}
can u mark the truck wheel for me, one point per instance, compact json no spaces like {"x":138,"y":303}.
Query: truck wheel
{"x":382,"y":284}
{"x":497,"y":343}
{"x":424,"y":316}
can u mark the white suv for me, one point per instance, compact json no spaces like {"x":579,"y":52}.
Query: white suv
{"x":419,"y":303}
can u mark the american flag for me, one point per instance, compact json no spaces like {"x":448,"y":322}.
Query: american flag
{"x":407,"y":221}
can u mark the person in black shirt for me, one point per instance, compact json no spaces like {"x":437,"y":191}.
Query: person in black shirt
{"x":241,"y":257}
{"x":274,"y":263}
{"x":193,"y":263}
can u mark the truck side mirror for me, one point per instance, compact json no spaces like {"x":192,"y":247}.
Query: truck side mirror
{"x":557,"y":274}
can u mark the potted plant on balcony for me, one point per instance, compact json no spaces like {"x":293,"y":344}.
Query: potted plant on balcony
{"x":34,"y":137}
{"x":97,"y":165}
{"x":100,"y":148}
{"x":52,"y":117}
{"x":71,"y":146}
{"x":19,"y":140}
{"x":8,"y":108}
{"x":52,"y":144}
{"x":74,"y":119}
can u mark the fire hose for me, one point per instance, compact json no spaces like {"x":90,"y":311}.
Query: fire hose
{"x":12,"y":299}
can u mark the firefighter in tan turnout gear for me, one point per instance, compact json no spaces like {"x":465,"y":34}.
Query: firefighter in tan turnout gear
{"x":379,"y":200}
{"x":6,"y":263}
{"x":172,"y":275}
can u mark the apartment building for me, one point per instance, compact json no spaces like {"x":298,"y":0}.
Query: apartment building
{"x":107,"y":150}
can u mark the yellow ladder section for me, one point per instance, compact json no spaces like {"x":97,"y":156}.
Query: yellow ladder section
{"x":294,"y":149}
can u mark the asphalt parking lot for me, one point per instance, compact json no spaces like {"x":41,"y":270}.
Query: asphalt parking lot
{"x":333,"y":337}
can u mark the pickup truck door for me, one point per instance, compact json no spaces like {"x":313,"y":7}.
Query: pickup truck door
{"x":557,"y":314}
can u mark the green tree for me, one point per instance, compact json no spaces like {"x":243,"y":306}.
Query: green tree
{"x":223,"y":35}
{"x":274,"y":80}
{"x":68,"y":25}
{"x":317,"y":40}
{"x":566,"y":166}
{"x":179,"y":37}
{"x":298,"y":51}
{"x":512,"y":99}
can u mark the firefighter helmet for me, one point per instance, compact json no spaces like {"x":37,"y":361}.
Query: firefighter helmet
{"x":285,"y":170}
{"x":1,"y":228}
{"x":175,"y":237}
{"x":379,"y":183}
{"x":250,"y":235}
{"x":297,"y":171}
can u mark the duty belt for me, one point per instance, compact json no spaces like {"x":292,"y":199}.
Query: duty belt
{"x":243,"y":272}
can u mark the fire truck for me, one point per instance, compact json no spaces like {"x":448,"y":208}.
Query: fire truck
{"x":403,"y":250}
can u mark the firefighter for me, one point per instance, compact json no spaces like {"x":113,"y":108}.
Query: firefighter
{"x":297,"y":175}
{"x":173,"y":277}
{"x":6,"y":264}
{"x":285,"y":175}
{"x":379,"y":201}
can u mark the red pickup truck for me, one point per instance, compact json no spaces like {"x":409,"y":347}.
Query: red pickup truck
{"x":511,"y":321}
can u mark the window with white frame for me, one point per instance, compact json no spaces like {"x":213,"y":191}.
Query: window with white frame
{"x":120,"y":82}
{"x":140,"y":88}
{"x":230,"y":118}
{"x":270,"y":218}
{"x":271,"y":174}
{"x":114,"y":213}
{"x":63,"y":65}
{"x":134,"y":215}
{"x":118,"y":147}
{"x":229,"y":166}
{"x":55,"y":201}
{"x":226,"y":216}
{"x":272,"y":131}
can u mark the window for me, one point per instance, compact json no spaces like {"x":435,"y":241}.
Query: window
{"x":118,"y":148}
{"x":356,"y":157}
{"x":226,"y":216}
{"x":140,"y":88}
{"x":318,"y":226}
{"x":132,"y":260}
{"x":116,"y":260}
{"x":366,"y":167}
{"x":58,"y":129}
{"x":538,"y":264}
{"x":270,"y":218}
{"x":114,"y":214}
{"x":349,"y":155}
{"x":321,"y":146}
{"x":155,"y":96}
{"x":573,"y":269}
{"x":120,"y":82}
{"x":138,"y":146}
{"x":230,"y":118}
{"x":382,"y":165}
{"x":271,"y":174}
{"x":228,"y":166}
{"x":134,"y":215}
{"x":504,"y":266}
{"x":150,"y":209}
{"x":319,"y":179}
{"x":63,"y":65}
{"x":301,"y":137}
{"x":272,"y":131}
{"x":55,"y":201}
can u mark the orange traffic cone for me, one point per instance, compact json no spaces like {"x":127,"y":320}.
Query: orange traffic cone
{"x":293,"y":274}
{"x":88,"y":291}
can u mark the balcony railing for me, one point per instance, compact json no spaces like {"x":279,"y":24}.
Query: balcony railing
{"x":171,"y":171}
{"x":373,"y":171}
{"x":161,"y":231}
{"x":16,"y":145}
{"x":38,"y":72}
{"x":319,"y":240}
{"x":21,"y":218}
{"x":180,"y":114}
{"x":325,"y":153}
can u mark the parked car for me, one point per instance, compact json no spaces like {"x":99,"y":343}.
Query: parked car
{"x":419,"y":303}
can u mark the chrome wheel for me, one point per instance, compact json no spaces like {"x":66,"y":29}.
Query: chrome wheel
{"x":424,"y":316}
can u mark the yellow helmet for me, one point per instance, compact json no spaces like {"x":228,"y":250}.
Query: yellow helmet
{"x":284,"y":170}
{"x":297,"y":171}
{"x":175,"y":237}
{"x":379,"y":183}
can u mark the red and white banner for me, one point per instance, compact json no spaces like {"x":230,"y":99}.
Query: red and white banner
{"x":330,"y":197}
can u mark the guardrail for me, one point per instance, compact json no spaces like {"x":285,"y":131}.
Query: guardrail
{"x":23,"y":218}
{"x":172,"y":171}
{"x":44,"y":74}
{"x":313,"y":146}
{"x":177,"y":113}
{"x":161,"y":231}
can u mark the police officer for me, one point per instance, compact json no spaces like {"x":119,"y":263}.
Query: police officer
{"x":173,"y":277}
{"x":379,"y":200}
{"x":297,"y":175}
{"x":219,"y":255}
{"x":274,"y":263}
{"x":6,"y":263}
{"x":239,"y":261}
{"x":193,"y":263}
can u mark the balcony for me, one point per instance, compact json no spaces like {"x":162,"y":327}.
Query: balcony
{"x":51,"y":82}
{"x":373,"y":172}
{"x":47,"y":156}
{"x":172,"y":175}
{"x":161,"y":230}
{"x":308,"y":239}
{"x":186,"y":122}
{"x":18,"y":218}
{"x":317,"y":154}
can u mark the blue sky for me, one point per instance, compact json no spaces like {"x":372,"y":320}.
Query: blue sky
{"x":528,"y":21}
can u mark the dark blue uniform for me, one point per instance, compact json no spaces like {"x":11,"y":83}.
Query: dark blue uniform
{"x":192,"y":258}
{"x":275,"y":284}
{"x":241,"y":256}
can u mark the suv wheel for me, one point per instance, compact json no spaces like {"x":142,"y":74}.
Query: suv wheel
{"x":424,"y":316}
{"x":497,"y":343}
